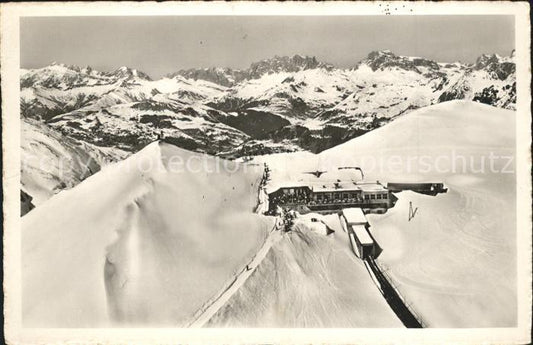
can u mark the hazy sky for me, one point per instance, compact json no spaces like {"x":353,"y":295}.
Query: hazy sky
{"x":160,"y":45}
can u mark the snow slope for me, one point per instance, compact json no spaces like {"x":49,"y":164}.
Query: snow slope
{"x":142,"y":242}
{"x":308,"y":280}
{"x":456,"y":260}
{"x":449,"y":130}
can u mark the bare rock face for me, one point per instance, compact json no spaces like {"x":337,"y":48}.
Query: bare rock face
{"x":25,"y":203}
{"x":221,"y":76}
{"x":457,"y":91}
{"x":497,"y":66}
{"x":230,"y":77}
{"x":383,"y":59}
{"x":285,"y":64}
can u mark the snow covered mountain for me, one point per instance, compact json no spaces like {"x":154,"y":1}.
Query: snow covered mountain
{"x":296,"y":102}
{"x":125,"y":108}
{"x":491,"y":80}
{"x":230,"y":77}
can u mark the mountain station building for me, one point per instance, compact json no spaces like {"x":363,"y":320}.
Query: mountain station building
{"x":323,"y":194}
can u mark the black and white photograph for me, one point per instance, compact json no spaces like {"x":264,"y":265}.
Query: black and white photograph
{"x":267,"y":166}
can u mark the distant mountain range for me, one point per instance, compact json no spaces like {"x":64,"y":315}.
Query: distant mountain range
{"x":283,"y":103}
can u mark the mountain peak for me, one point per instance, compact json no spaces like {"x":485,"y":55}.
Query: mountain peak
{"x":382,"y":52}
{"x":65,"y":66}
{"x":221,"y":76}
{"x":87,"y":69}
{"x":228,"y":77}
{"x":487,"y":59}
{"x":382,"y":59}
{"x":499,"y":66}
{"x":278,"y":64}
{"x":129,"y":73}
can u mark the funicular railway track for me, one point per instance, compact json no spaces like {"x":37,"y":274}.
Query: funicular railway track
{"x":366,"y":248}
{"x":391,"y":296}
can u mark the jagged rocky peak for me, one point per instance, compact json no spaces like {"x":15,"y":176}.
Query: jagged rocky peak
{"x":129,"y":73}
{"x":426,"y":63}
{"x":217,"y":75}
{"x":487,"y":59}
{"x":500,"y":67}
{"x":229,"y":77}
{"x":382,"y":59}
{"x":381,"y":53}
{"x":285,"y":64}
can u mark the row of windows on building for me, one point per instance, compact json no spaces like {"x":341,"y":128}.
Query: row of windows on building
{"x":292,"y":195}
{"x":372,"y":196}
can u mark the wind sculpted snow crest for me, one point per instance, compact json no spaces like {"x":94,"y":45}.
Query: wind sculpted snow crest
{"x":132,"y":246}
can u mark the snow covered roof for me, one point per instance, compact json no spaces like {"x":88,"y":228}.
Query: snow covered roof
{"x":354,"y":215}
{"x":327,"y":185}
{"x":413,"y":182}
{"x":371,"y":187}
{"x":335,"y":187}
{"x":362,"y":234}
{"x":271,"y":188}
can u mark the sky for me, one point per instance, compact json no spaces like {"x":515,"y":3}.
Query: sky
{"x":164,"y":44}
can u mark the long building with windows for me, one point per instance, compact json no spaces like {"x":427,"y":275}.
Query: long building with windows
{"x":332,"y":195}
{"x":336,"y":189}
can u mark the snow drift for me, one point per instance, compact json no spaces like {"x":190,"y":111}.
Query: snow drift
{"x":140,"y":242}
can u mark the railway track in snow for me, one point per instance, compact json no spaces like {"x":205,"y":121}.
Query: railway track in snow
{"x":392,"y":296}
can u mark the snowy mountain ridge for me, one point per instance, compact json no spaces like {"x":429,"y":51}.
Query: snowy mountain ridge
{"x":230,"y":77}
{"x":300,"y":99}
